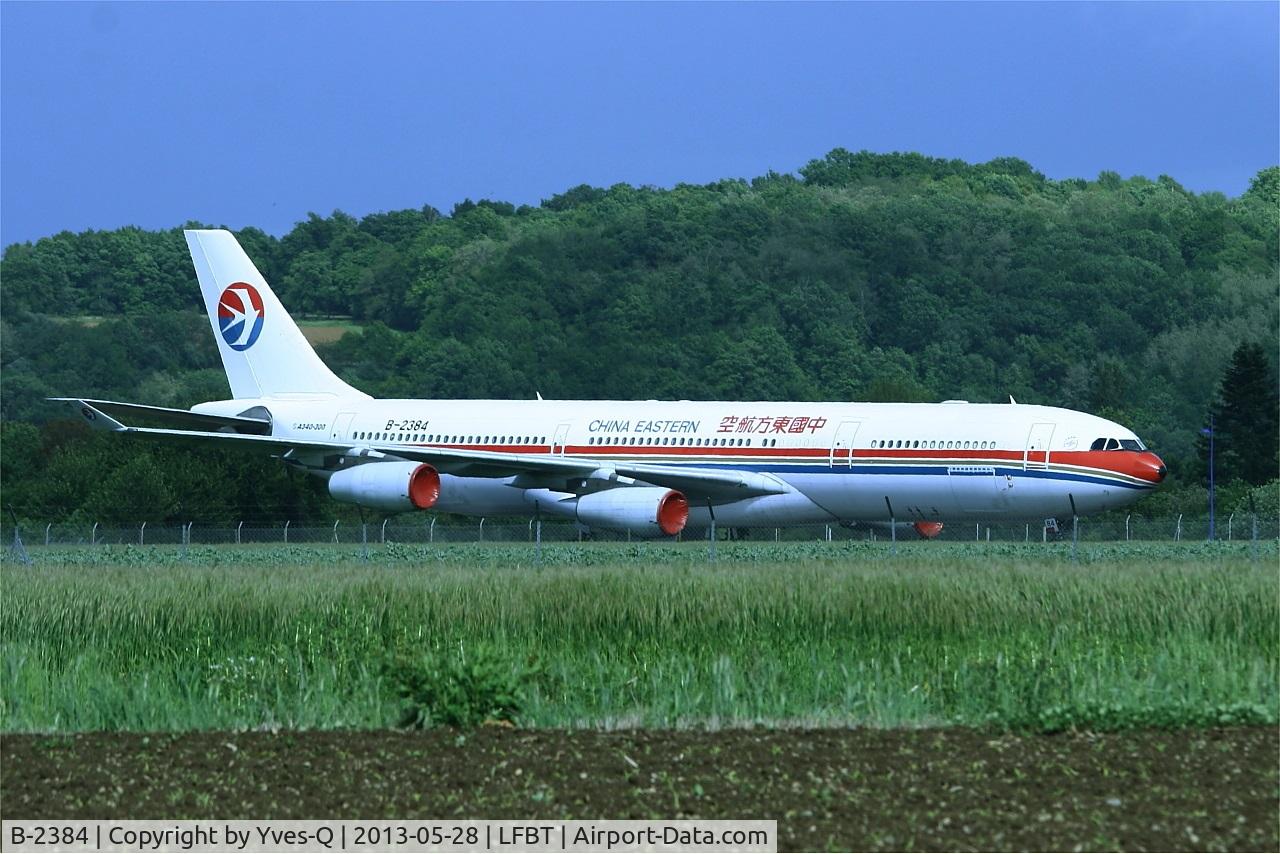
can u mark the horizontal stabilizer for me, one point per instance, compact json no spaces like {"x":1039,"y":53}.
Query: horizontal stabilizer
{"x":116,"y":412}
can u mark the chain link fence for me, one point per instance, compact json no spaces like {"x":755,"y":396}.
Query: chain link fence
{"x":439,"y":530}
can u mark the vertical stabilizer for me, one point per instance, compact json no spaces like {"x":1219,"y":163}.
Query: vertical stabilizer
{"x":263,"y":350}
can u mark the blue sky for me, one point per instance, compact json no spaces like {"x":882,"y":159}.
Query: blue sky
{"x":239,"y":114}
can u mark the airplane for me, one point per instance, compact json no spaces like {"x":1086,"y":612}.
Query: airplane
{"x":650,"y":467}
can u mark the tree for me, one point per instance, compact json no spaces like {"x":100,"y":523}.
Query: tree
{"x":1246,"y":420}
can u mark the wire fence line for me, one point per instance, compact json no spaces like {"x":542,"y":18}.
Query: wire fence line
{"x":438,"y":530}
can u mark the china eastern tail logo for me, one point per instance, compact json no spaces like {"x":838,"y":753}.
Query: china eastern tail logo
{"x":240,"y":315}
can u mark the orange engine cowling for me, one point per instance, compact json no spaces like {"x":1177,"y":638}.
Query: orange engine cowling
{"x":394,"y":486}
{"x":928,"y":530}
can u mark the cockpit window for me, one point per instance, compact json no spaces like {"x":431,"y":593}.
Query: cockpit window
{"x":1117,"y":445}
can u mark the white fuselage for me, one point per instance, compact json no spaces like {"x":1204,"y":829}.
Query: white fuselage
{"x":841,"y":462}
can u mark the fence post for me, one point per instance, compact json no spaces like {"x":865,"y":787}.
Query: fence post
{"x":1177,"y":534}
{"x":335,"y":529}
{"x":384,"y":530}
{"x":1254,"y":548}
{"x":431,"y":531}
{"x":142,"y":534}
{"x":828,"y":533}
{"x":364,"y":539}
{"x":777,"y":534}
{"x":46,"y":533}
{"x":977,"y":531}
{"x":481,"y":530}
{"x":1126,"y":527}
{"x":18,"y":549}
{"x":238,"y":527}
{"x":538,"y":534}
{"x":1026,"y":535}
{"x":1229,"y":518}
{"x":286,"y":530}
{"x":93,"y":535}
{"x":988,"y":533}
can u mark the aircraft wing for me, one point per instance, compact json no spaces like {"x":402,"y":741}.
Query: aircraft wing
{"x":716,"y":486}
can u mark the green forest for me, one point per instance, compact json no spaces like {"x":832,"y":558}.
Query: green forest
{"x":861,"y":277}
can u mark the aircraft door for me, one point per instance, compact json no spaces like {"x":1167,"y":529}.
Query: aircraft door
{"x":342,"y":426}
{"x":558,"y":441}
{"x":842,"y":444}
{"x":1036,"y":455}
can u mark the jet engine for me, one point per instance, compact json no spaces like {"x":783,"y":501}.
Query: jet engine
{"x":389,"y":486}
{"x":648,"y":511}
{"x":928,"y":530}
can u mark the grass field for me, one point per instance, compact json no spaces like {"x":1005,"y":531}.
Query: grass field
{"x":326,"y":330}
{"x":645,"y":635}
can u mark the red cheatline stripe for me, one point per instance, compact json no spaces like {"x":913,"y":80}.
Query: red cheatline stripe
{"x":1126,"y":463}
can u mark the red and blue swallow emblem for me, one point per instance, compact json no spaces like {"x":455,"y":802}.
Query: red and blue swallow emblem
{"x":240,"y":315}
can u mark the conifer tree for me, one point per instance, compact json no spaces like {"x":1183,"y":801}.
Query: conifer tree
{"x":1246,"y":420}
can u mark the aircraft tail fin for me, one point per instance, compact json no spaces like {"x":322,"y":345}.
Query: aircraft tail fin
{"x":263,"y":351}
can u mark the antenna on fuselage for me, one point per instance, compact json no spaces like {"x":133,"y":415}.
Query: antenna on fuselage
{"x":1011,"y":400}
{"x":539,"y":394}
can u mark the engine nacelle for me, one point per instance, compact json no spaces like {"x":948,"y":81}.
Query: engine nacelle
{"x":648,"y":511}
{"x":396,"y":487}
{"x":928,"y":530}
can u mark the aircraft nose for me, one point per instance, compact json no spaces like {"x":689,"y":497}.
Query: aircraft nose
{"x":1158,"y":470}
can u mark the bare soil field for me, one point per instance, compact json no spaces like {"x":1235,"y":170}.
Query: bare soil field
{"x":855,"y":789}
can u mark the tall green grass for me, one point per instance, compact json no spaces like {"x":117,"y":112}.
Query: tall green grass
{"x":646,"y":635}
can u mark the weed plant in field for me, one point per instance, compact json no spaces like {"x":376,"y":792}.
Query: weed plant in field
{"x":459,"y":687}
{"x":643,"y":635}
